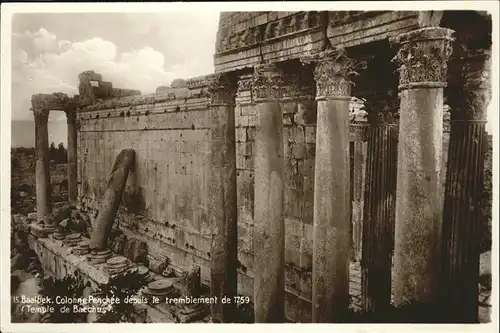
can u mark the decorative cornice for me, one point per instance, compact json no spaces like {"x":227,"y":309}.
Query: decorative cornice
{"x":222,"y":89}
{"x":423,"y":56}
{"x":231,"y":38}
{"x":268,"y":83}
{"x":332,"y":71}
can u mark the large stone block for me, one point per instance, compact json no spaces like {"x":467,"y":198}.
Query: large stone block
{"x":136,"y":250}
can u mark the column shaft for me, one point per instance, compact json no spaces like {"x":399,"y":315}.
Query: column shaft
{"x":107,"y":212}
{"x":72,"y":157}
{"x":332,"y":194}
{"x":357,"y":180}
{"x":224,"y":219}
{"x":379,"y":206}
{"x":331,"y":237}
{"x":269,"y":225}
{"x":42,"y":169}
{"x":463,"y":191}
{"x":423,"y":59}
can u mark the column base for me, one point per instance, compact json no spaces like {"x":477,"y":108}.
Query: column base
{"x":40,"y":230}
{"x":99,"y":256}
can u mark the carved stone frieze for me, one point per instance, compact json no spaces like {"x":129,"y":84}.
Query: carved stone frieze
{"x":332,"y":73}
{"x":268,"y":83}
{"x":274,"y":26}
{"x":245,"y":82}
{"x":423,"y":56}
{"x":222,"y":89}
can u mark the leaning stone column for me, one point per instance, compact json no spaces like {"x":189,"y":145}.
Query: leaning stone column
{"x":107,"y":212}
{"x":72,"y":151}
{"x":380,"y":202}
{"x":269,"y":225}
{"x":463,"y":190}
{"x":331,"y":229}
{"x":223,"y":209}
{"x":422,"y":57}
{"x":42,"y":169}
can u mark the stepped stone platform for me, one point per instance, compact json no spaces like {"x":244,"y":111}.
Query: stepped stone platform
{"x":60,"y":260}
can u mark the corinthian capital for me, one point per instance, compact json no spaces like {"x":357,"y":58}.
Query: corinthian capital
{"x":332,"y":72}
{"x":469,"y":100}
{"x":222,"y":89}
{"x":423,"y":57}
{"x":41,"y":115}
{"x":268,"y":83}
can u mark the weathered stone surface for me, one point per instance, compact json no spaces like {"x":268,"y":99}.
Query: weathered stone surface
{"x":330,"y":279}
{"x":135,"y":250}
{"x":118,"y":244}
{"x":123,"y":164}
{"x":269,"y":223}
{"x":42,"y":170}
{"x":419,"y":196}
{"x":223,"y":217}
{"x":464,"y":190}
{"x":158,"y":266}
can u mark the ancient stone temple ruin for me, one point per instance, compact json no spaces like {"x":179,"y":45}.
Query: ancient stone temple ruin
{"x":261,"y":180}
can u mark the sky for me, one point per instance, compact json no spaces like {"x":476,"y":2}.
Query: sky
{"x":132,"y":50}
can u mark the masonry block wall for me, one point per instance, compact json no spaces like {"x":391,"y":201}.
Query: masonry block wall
{"x":165,"y":203}
{"x":299,"y":121}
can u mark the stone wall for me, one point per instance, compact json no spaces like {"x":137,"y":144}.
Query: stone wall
{"x":165,"y":203}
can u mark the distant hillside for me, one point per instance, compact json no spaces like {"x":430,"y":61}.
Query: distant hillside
{"x":23,"y":133}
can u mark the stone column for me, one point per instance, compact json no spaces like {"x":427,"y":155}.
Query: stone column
{"x":463,"y":190}
{"x":72,"y":159}
{"x":223,"y":209}
{"x":42,"y":169}
{"x":124,"y":163}
{"x":380,"y":202}
{"x":358,"y":166}
{"x":269,"y":225}
{"x":422,"y":58}
{"x":331,"y":229}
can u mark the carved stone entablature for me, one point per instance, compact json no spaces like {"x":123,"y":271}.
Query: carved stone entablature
{"x":197,"y":82}
{"x":332,"y":72}
{"x":55,"y":101}
{"x":222,"y":89}
{"x":245,"y":82}
{"x":268,"y":83}
{"x":236,"y":32}
{"x":423,"y":56}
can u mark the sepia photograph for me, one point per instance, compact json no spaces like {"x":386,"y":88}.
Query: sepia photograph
{"x":194,"y":163}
